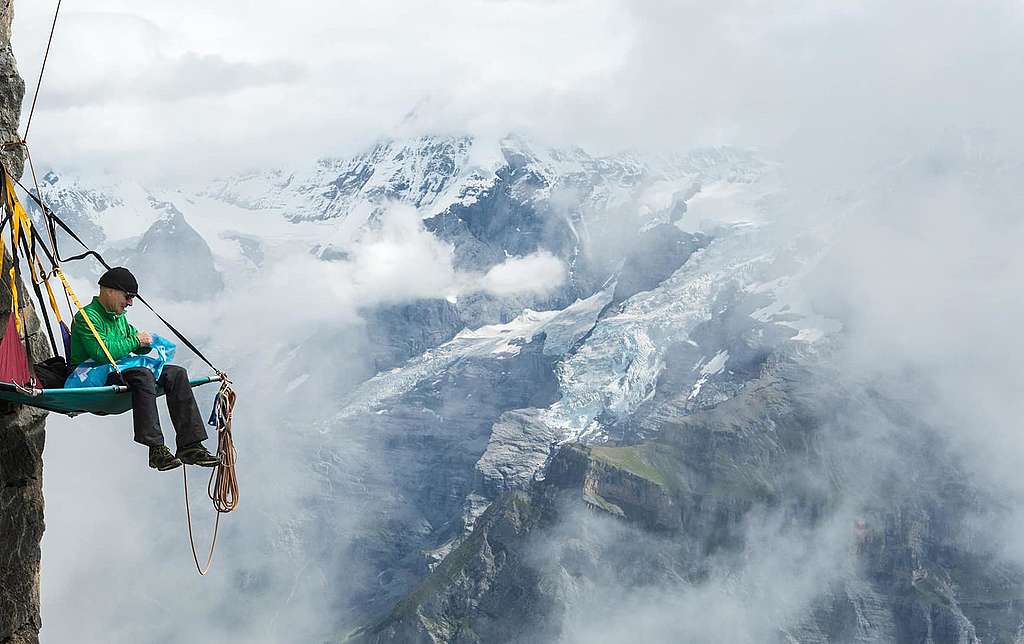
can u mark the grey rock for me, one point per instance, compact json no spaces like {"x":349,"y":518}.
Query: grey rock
{"x":72,"y":203}
{"x":433,"y":435}
{"x":21,"y":522}
{"x":519,"y":445}
{"x":172,"y":259}
{"x":909,"y":574}
{"x":503,"y":221}
{"x":250,"y":245}
{"x":12,"y":91}
{"x":659,"y":251}
{"x":22,"y":430}
{"x":398,"y":332}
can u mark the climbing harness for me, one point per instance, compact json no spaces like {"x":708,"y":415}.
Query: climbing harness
{"x":18,"y":382}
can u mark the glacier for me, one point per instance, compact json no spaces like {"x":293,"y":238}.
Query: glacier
{"x":406,"y":438}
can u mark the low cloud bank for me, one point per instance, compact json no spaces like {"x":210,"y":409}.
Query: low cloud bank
{"x":397,"y":261}
{"x":538,"y":273}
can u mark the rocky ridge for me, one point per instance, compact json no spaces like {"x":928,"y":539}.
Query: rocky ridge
{"x":661,"y":391}
{"x":172,"y":260}
{"x":899,"y":569}
{"x":22,"y":430}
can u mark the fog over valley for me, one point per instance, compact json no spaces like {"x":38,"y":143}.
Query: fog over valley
{"x":549,"y":321}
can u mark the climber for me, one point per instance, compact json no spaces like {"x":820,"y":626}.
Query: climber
{"x":118,"y":288}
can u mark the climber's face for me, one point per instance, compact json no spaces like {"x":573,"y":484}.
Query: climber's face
{"x":127,"y":298}
{"x":115,"y":300}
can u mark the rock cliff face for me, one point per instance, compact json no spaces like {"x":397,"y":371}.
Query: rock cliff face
{"x":21,"y":523}
{"x":172,"y":260}
{"x":21,"y":429}
{"x":901,"y":569}
{"x":12,"y":91}
{"x":434,"y":436}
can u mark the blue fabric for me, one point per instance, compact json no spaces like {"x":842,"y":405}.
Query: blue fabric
{"x":90,"y":374}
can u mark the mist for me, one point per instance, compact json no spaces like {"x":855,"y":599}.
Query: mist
{"x":895,"y":129}
{"x":292,"y":337}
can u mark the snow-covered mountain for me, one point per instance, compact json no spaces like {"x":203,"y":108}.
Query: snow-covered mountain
{"x":488,"y":201}
{"x":663,"y":380}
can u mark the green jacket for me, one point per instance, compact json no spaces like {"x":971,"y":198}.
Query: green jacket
{"x":117,"y":334}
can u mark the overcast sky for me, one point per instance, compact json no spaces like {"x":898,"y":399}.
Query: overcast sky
{"x":171,"y":91}
{"x":188,"y":87}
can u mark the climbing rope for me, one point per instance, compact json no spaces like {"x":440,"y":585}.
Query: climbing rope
{"x":39,"y":82}
{"x":223,"y":485}
{"x":49,"y":223}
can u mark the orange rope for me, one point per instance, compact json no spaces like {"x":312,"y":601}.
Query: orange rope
{"x":223,"y":485}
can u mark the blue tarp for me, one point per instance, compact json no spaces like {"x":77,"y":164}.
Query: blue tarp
{"x":91,"y":374}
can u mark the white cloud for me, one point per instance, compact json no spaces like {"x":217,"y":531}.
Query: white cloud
{"x":120,"y":57}
{"x":783,"y":569}
{"x":364,"y":66}
{"x":395,"y":261}
{"x":540,"y":272}
{"x":866,"y":76}
{"x":400,"y":261}
{"x":831,"y":89}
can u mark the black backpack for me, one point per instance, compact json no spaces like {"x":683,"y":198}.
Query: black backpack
{"x":52,"y":373}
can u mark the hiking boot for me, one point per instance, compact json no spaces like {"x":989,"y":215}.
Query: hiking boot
{"x":160,"y":458}
{"x":196,"y":454}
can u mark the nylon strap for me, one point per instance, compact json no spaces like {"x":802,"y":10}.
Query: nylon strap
{"x":54,"y":219}
{"x":19,"y":220}
{"x":53,"y":300}
{"x":33,"y":260}
{"x":15,"y":226}
{"x":14,"y":293}
{"x":23,"y":224}
{"x":178,"y":334}
{"x":19,"y":217}
{"x":46,"y":275}
{"x":14,"y":303}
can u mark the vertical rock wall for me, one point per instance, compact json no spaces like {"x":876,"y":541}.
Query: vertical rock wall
{"x":12,"y":91}
{"x":21,"y":429}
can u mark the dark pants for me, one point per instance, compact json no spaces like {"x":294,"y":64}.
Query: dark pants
{"x":188,"y":424}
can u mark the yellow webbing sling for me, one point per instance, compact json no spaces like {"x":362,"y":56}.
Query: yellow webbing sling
{"x":21,"y":224}
{"x":88,"y":320}
{"x":18,"y":217}
{"x":15,"y":226}
{"x":49,"y":291}
{"x":19,"y":221}
{"x":22,"y":221}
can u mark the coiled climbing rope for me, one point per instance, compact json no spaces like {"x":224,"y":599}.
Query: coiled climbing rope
{"x":223,"y":485}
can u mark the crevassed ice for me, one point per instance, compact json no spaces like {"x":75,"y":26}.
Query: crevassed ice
{"x":617,"y":368}
{"x":563,"y":328}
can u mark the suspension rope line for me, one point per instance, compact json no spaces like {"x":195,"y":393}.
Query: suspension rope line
{"x":42,"y":69}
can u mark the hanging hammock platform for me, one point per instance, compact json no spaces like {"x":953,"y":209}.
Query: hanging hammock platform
{"x":19,"y":380}
{"x":102,"y":401}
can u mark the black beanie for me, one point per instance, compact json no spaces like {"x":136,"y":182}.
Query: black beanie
{"x":120,"y":278}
